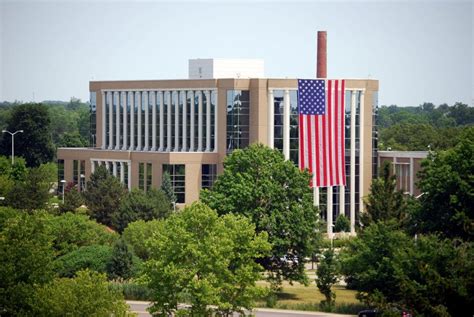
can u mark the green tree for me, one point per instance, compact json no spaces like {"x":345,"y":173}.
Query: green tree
{"x":73,"y":199}
{"x":87,"y":294}
{"x":94,"y":257}
{"x":447,"y":184}
{"x":205,"y":260}
{"x":427,"y":275}
{"x":275,"y":195}
{"x":26,"y":261}
{"x":34,"y":144}
{"x":384,"y":201}
{"x":342,"y":224}
{"x":140,"y":205}
{"x":167,"y":187}
{"x":103,"y":196}
{"x":72,"y":231}
{"x":31,"y":194}
{"x":328,"y":274}
{"x":137,"y":232}
{"x":120,"y":264}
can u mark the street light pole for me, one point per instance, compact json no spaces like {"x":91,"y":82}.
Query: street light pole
{"x":13,"y":142}
{"x":64,"y":185}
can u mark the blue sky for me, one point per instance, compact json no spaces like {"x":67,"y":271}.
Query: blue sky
{"x":418,"y":50}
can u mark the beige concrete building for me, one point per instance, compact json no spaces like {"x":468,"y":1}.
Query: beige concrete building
{"x":141,"y":129}
{"x":405,"y":167}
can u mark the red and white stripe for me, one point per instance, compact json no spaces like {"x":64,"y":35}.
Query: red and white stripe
{"x":322,"y":139}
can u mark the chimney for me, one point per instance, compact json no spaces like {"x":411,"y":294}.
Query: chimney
{"x":321,"y":64}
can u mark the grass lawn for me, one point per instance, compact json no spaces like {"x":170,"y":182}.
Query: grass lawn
{"x":300,"y":297}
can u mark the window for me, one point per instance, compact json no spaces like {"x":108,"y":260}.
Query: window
{"x":178,"y":180}
{"x":208,"y":175}
{"x":92,"y":119}
{"x":237,"y":119}
{"x":141,"y":176}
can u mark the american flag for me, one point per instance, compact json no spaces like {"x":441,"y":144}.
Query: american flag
{"x":321,"y":130}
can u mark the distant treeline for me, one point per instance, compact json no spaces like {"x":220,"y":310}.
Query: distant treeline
{"x":423,"y":127}
{"x":69,"y":121}
{"x":400,"y":128}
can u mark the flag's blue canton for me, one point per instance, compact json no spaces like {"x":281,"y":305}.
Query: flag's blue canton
{"x":311,"y":96}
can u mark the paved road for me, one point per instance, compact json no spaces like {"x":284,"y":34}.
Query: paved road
{"x":140,"y":308}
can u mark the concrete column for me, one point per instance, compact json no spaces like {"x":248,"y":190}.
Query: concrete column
{"x":286,"y":125}
{"x":191,"y":125}
{"x":169,"y":147}
{"x":184,"y":148}
{"x":92,"y":166}
{"x":208,"y":121}
{"x":352,"y":164}
{"x":411,"y":176}
{"x":125,"y":116}
{"x":316,"y":196}
{"x":199,"y":149}
{"x":129,"y":171}
{"x":139,"y":121}
{"x":153,"y":120}
{"x":216,"y":120}
{"x":271,"y":119}
{"x":176,"y":123}
{"x":117,"y":120}
{"x":361,"y":151}
{"x":111,"y":120}
{"x":147,"y":120}
{"x":329,"y":208}
{"x":104,"y":104}
{"x":122,"y":172}
{"x":133,"y":174}
{"x":157,"y":174}
{"x":132,"y":120}
{"x":342,"y":200}
{"x":114,"y":168}
{"x":68,"y":170}
{"x":192,"y":182}
{"x":162,"y":121}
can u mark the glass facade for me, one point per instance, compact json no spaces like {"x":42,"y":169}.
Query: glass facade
{"x":278,"y":104}
{"x":178,"y":180}
{"x":92,"y":119}
{"x":165,"y":121}
{"x":208,"y":175}
{"x":238,"y":111}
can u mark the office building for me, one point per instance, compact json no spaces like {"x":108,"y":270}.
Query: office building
{"x":142,"y":129}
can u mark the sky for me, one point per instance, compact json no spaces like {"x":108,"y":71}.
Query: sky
{"x":420,"y":51}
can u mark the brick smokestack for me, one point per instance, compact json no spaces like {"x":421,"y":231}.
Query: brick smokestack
{"x":321,"y":64}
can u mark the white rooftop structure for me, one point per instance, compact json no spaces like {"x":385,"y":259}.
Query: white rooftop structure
{"x":212,"y":68}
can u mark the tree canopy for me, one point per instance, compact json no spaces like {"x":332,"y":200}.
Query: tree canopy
{"x":204,"y":259}
{"x":275,"y":195}
{"x":103,"y":196}
{"x":34,"y":144}
{"x":447,"y":184}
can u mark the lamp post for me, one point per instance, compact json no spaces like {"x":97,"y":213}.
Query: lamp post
{"x":332,"y":235}
{"x":64,"y":185}
{"x":13,"y":142}
{"x":82,"y":183}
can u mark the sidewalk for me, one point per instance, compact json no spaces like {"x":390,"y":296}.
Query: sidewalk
{"x":140,"y":307}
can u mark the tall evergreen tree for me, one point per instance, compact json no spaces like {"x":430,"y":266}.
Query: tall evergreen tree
{"x":121,"y":262}
{"x":167,"y":187}
{"x":103,"y":196}
{"x":384,"y":201}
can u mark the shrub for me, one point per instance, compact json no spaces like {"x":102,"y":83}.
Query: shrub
{"x":94,"y":257}
{"x":88,"y":294}
{"x":72,"y":231}
{"x":342,"y":224}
